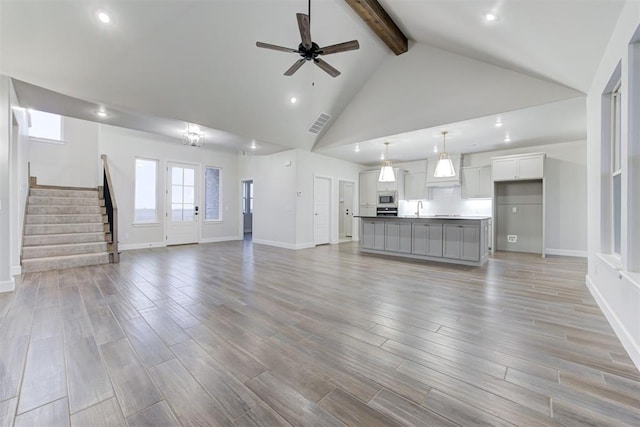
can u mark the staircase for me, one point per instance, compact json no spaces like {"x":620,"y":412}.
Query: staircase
{"x":65,"y":227}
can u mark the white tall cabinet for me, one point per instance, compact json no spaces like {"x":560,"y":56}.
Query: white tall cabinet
{"x":368,"y":186}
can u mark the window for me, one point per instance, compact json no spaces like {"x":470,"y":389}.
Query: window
{"x":45,"y":126}
{"x":212,"y":194}
{"x":616,"y":167}
{"x":146,"y":208}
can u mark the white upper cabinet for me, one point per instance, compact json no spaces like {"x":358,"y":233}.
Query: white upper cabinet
{"x":477,"y":183}
{"x":368,"y":189}
{"x":415,"y":186}
{"x":525,"y":166}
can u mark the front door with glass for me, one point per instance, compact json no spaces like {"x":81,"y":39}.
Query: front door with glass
{"x":182,"y":203}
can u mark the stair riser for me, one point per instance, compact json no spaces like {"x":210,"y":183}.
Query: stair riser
{"x":42,"y":192}
{"x":63,"y":239}
{"x":64,"y":219}
{"x":64,"y":201}
{"x":45,"y":264}
{"x":65,"y":210}
{"x":62,"y":250}
{"x":32,"y":229}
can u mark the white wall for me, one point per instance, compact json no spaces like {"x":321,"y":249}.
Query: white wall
{"x":395,"y":100}
{"x":311,"y":165}
{"x":6,"y":280}
{"x":565,"y":202}
{"x":122,"y":146}
{"x":274,"y":198}
{"x":614,"y":285}
{"x":19,"y":181}
{"x":74,"y":163}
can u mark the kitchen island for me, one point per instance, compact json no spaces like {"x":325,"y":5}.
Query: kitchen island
{"x":444,"y":238}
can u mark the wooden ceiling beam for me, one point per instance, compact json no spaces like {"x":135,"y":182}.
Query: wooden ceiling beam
{"x":381,"y":23}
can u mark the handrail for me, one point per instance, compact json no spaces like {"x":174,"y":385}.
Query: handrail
{"x":112,"y":207}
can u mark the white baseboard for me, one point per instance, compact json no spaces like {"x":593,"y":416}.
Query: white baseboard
{"x":16,"y":270}
{"x":283,"y":245}
{"x":134,"y":246}
{"x":219,"y":239}
{"x":8,"y":285}
{"x":566,"y":252}
{"x":628,"y":342}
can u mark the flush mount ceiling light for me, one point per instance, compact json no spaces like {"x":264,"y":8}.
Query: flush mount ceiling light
{"x":386,"y":171}
{"x":193,"y":136}
{"x":490,"y":16}
{"x":444,"y":168}
{"x":103,"y":16}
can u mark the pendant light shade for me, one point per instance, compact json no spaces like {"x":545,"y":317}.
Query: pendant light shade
{"x":386,"y":171}
{"x":444,"y":168}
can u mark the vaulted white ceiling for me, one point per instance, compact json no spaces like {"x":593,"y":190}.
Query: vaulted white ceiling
{"x":172,"y":62}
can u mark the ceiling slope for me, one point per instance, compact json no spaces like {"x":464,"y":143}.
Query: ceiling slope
{"x":427,"y":87}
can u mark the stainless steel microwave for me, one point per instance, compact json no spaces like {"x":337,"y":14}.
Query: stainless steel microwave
{"x":387,"y":198}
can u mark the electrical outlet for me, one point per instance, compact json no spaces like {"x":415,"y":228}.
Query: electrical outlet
{"x":514,"y":209}
{"x":512,"y":238}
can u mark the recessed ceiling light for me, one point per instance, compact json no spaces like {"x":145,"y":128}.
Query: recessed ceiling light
{"x":253,"y":145}
{"x":293,"y":100}
{"x":499,"y":122}
{"x":357,"y":148}
{"x":101,"y":113}
{"x":435,"y":148}
{"x":490,"y":17}
{"x":382,"y":156}
{"x":507,"y":138}
{"x":103,"y":16}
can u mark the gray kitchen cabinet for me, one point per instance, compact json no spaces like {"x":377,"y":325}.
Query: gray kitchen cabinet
{"x":397,"y":237}
{"x":477,"y":183}
{"x":427,"y":239}
{"x":373,"y":235}
{"x":521,"y":166}
{"x":415,"y":186}
{"x":461,"y":242}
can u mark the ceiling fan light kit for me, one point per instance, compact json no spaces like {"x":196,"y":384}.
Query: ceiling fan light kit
{"x":193,"y":136}
{"x":444,"y":168}
{"x":309,"y":50}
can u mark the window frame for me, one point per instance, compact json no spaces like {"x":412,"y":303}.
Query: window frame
{"x":158,"y":215}
{"x":615,"y":135}
{"x":204,"y":198}
{"x":44,"y":139}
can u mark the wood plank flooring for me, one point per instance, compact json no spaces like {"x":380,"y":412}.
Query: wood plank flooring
{"x":249,"y":335}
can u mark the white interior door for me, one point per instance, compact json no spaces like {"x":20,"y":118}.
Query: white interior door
{"x":348,"y":209}
{"x":182,"y":203}
{"x":322,"y":210}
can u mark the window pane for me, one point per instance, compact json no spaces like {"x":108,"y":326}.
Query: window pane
{"x":187,"y":212}
{"x":189,"y":195}
{"x":176,"y":212}
{"x":145,"y":191}
{"x":176,"y":175}
{"x":617,"y":129}
{"x":189,"y":177}
{"x":212,"y":194}
{"x":176,"y":194}
{"x":45,"y":125}
{"x":617,"y":212}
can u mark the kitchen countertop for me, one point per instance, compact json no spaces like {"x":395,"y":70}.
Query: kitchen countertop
{"x":447,"y":217}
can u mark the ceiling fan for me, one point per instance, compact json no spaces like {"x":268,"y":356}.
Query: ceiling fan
{"x":308,"y":50}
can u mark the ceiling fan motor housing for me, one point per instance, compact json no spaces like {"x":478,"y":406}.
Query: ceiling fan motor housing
{"x":311,"y":53}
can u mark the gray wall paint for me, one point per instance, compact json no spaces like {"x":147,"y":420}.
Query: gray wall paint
{"x":519,"y":212}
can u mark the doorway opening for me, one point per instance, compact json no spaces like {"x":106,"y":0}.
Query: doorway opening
{"x":322,"y":210}
{"x":346,"y":203}
{"x":247,"y":209}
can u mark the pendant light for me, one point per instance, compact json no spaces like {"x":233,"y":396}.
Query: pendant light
{"x":386,"y":171}
{"x":444,"y":168}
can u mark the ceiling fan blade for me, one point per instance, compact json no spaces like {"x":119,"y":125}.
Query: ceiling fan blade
{"x":326,"y":67}
{"x":305,"y":29}
{"x":340,"y":47}
{"x":274,"y":47}
{"x":299,"y":63}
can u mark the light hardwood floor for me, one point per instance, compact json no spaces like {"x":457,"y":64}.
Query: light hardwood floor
{"x":240,"y":334}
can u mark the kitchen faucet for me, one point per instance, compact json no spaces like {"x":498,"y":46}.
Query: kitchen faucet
{"x":418,"y":206}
